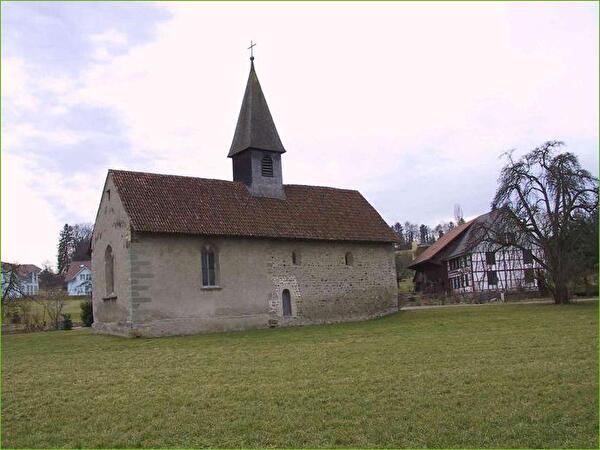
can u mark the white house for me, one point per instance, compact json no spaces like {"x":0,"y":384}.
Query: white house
{"x":79,"y":278}
{"x":20,"y":280}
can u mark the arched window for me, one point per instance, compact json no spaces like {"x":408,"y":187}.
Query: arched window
{"x":349,"y":260}
{"x":109,"y":271}
{"x":267,"y":166}
{"x":209,"y":266}
{"x":286,"y":303}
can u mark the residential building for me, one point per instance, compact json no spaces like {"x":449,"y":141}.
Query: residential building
{"x":79,"y":278}
{"x":462,"y":263}
{"x":20,"y":280}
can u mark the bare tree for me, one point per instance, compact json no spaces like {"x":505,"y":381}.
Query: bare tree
{"x":458,"y":214}
{"x":82,"y":236}
{"x":53,"y":302}
{"x":543,"y":201}
{"x":12,"y":283}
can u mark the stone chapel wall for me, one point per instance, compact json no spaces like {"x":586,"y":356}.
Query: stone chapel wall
{"x":168,"y":298}
{"x":112,"y":228}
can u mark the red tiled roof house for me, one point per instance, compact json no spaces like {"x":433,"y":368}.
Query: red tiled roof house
{"x":182,"y":255}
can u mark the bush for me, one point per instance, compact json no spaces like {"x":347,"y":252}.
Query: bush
{"x":87,"y":314}
{"x":66,"y":323}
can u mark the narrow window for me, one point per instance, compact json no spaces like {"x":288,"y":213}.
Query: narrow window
{"x":529,"y":276}
{"x":267,"y":166}
{"x":349,"y":260}
{"x":108,"y":195}
{"x":109,"y":271}
{"x":527,"y":256}
{"x":467,"y":280}
{"x":492,"y":278}
{"x":209,"y":273}
{"x":286,"y":303}
{"x":490,"y":257}
{"x":296,"y":258}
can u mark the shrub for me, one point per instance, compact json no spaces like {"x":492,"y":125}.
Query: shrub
{"x":87,"y":314}
{"x":66,"y":323}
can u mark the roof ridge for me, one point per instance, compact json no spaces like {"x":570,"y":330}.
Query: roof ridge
{"x":169,"y":175}
{"x":226,"y":181}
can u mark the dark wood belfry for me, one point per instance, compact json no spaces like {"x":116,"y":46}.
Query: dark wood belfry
{"x":256,"y":148}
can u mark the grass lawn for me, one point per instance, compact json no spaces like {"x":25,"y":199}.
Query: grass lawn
{"x":491,"y":376}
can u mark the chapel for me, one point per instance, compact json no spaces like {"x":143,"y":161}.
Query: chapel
{"x":175,"y":255}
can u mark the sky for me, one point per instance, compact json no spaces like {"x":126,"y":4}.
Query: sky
{"x":412,"y":104}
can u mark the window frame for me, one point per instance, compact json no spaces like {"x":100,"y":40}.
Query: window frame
{"x":527,"y":255}
{"x":109,"y":271}
{"x":349,"y":259}
{"x":290,"y":311}
{"x":209,"y":267}
{"x":296,"y":258}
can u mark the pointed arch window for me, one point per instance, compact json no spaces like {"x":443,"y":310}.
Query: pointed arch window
{"x":266,"y":166}
{"x":286,"y":303}
{"x":209,"y":266}
{"x":109,"y":271}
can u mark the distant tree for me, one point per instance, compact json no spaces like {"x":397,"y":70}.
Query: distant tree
{"x":458,"y":214}
{"x":73,"y":245}
{"x":399,"y":230}
{"x":424,"y":234}
{"x":48,"y":279}
{"x":82,"y":237}
{"x":65,"y":245}
{"x":410,"y":232}
{"x":546,"y":202}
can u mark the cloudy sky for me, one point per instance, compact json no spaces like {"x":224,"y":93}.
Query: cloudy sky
{"x":411,"y":104}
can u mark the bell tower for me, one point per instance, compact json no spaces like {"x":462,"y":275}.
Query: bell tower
{"x":256,"y":148}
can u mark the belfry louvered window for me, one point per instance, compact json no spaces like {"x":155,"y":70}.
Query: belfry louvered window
{"x":267,"y":166}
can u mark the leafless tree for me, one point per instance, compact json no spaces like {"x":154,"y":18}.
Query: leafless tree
{"x":12,"y":283}
{"x":543,"y":201}
{"x":53,"y":302}
{"x":458,"y":214}
{"x":82,"y":236}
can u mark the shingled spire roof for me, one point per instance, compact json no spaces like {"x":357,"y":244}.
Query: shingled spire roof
{"x":255,"y":127}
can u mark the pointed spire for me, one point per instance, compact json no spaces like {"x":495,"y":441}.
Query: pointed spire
{"x":255,"y":127}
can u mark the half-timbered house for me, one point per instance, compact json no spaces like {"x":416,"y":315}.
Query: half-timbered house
{"x":463,"y":263}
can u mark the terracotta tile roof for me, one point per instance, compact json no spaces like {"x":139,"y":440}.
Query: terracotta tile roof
{"x":440,"y":244}
{"x":75,"y":267}
{"x":176,"y":204}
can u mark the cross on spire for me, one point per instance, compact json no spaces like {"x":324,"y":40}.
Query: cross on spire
{"x":251,"y":48}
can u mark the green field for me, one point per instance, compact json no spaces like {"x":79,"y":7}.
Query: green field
{"x":491,"y":376}
{"x":72,"y":306}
